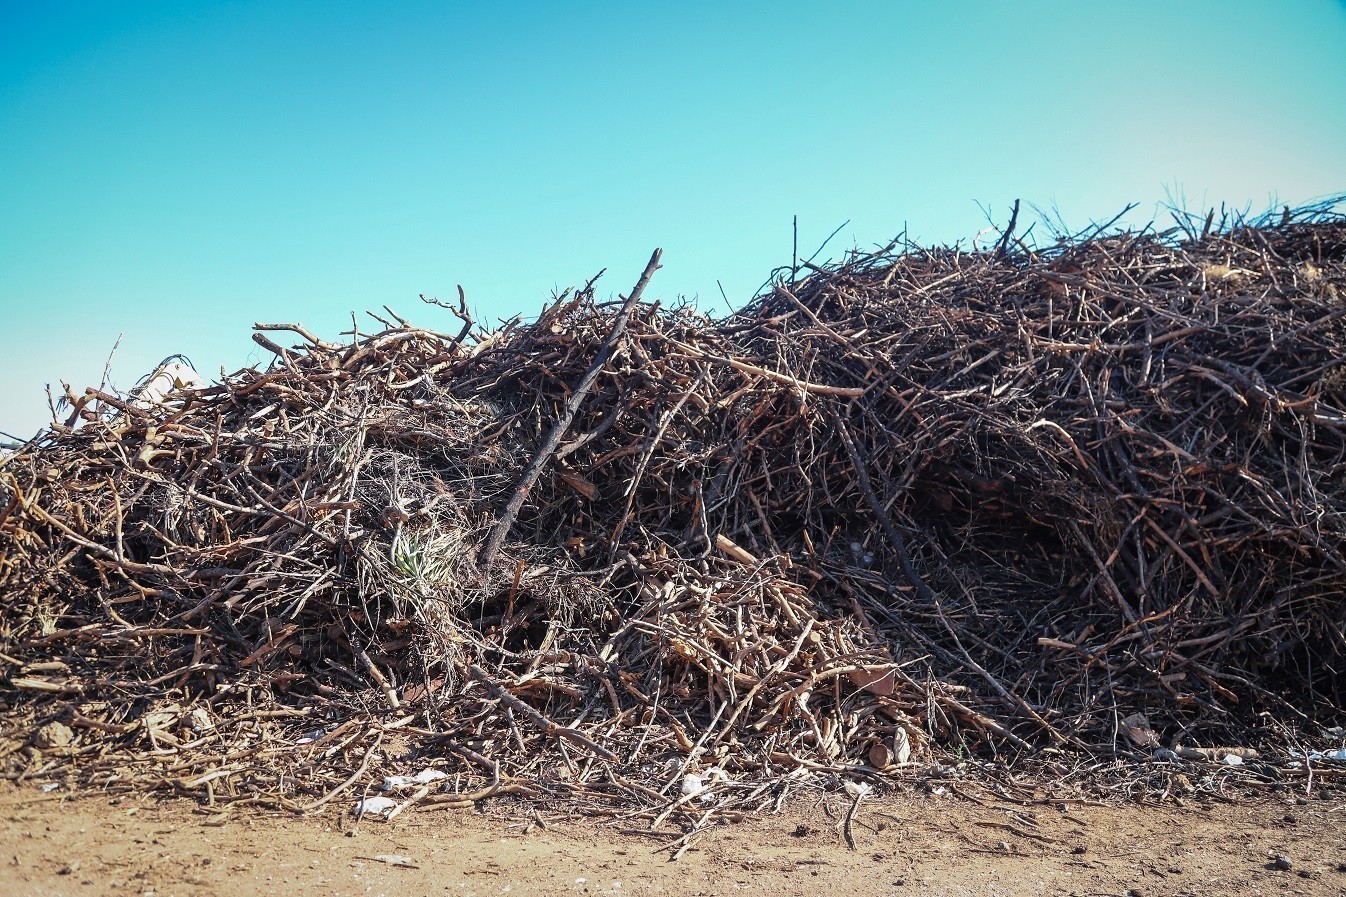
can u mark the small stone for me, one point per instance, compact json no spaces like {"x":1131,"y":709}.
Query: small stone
{"x":53,"y":735}
{"x":1282,"y":862}
{"x":1135,"y":892}
{"x":1304,"y":873}
{"x":1079,"y":850}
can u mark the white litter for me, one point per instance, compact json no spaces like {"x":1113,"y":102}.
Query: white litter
{"x":310,"y":737}
{"x":1328,"y":755}
{"x":172,"y":374}
{"x":374,"y":806}
{"x":1321,"y":755}
{"x":424,"y":777}
{"x":48,"y":788}
{"x":857,"y":789}
{"x":1232,"y":760}
{"x":699,"y":786}
{"x":901,"y":746}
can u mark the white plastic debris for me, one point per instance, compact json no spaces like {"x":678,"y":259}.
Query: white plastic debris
{"x":857,"y":789}
{"x":1339,"y":755}
{"x":699,"y":786}
{"x":424,"y":777}
{"x":1327,"y":755}
{"x":374,"y":806}
{"x":310,"y":737}
{"x":1232,"y":760}
{"x":901,"y":746}
{"x":48,"y":788}
{"x":173,"y":374}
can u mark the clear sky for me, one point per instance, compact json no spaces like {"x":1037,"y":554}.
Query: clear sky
{"x":175,"y":171}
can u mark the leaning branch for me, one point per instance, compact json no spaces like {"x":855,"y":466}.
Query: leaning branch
{"x":534,"y":470}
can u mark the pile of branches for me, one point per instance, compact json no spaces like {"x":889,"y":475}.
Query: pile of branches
{"x":1083,"y":502}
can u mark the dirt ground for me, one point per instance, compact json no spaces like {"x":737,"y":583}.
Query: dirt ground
{"x":52,"y":844}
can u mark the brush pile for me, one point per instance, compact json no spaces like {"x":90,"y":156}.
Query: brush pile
{"x":923,"y":504}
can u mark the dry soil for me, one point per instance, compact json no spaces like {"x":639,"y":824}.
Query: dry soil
{"x":55,"y":844}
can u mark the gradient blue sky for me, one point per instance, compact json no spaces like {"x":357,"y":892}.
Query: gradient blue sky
{"x":176,"y":171}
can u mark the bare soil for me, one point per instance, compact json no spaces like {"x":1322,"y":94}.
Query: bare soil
{"x":52,"y":844}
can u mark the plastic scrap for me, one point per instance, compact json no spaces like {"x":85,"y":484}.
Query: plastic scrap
{"x":699,"y":786}
{"x":374,"y":806}
{"x":1322,"y":754}
{"x":173,"y":374}
{"x":857,"y":789}
{"x":424,"y":777}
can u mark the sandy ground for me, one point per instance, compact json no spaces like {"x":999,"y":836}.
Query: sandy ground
{"x":57,"y":845}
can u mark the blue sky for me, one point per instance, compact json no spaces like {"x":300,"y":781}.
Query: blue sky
{"x":176,"y":171}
